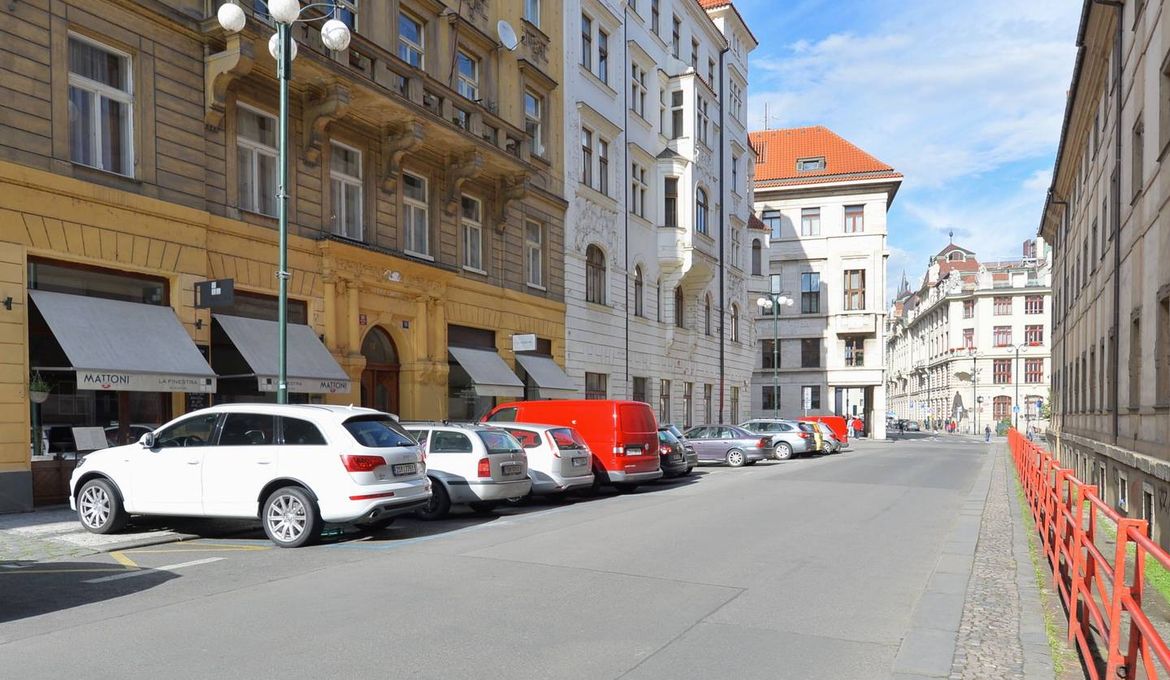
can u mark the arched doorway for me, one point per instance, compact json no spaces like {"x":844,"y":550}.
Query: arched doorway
{"x":380,"y":378}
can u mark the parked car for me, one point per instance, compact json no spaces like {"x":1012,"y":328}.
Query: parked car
{"x":818,"y":438}
{"x":789,"y":439}
{"x":837,"y":424}
{"x":559,"y":460}
{"x":292,"y":466}
{"x":671,"y":454}
{"x":729,"y":444}
{"x":830,"y":443}
{"x":470,"y":464}
{"x":692,"y":456}
{"x":912,"y":426}
{"x":623,"y":435}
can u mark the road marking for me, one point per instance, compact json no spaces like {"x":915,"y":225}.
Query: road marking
{"x":94,"y":570}
{"x":121,"y":559}
{"x":205,"y":548}
{"x":143,"y":572}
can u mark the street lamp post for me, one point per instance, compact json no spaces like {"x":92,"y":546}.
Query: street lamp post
{"x":1016,"y":376}
{"x":772,"y":303}
{"x":974,"y":390}
{"x":335,"y":35}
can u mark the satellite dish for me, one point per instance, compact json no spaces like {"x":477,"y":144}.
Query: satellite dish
{"x":507,"y":35}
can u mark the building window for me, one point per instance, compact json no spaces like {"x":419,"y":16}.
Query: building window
{"x":655,"y":17}
{"x":968,"y":309}
{"x":735,"y":173}
{"x":411,"y":40}
{"x":688,"y":404}
{"x":415,"y":213}
{"x":1135,"y":364}
{"x":702,"y":119}
{"x":639,"y":287}
{"x":810,"y":293}
{"x":855,"y":352}
{"x":854,"y":219}
{"x":811,"y":397}
{"x":472,"y":214}
{"x":638,"y":89}
{"x":810,"y":353}
{"x":256,"y":161}
{"x":734,"y":406}
{"x":595,"y":385}
{"x":638,"y":189}
{"x":1162,"y":354}
{"x":347,"y":11}
{"x":707,"y":315}
{"x":757,"y":257}
{"x":679,"y":309}
{"x":810,"y":222}
{"x":1034,"y":371}
{"x":734,"y":322}
{"x":810,"y":164}
{"x":670,"y":201}
{"x":701,"y":211}
{"x":736,"y":247}
{"x":345,"y":191}
{"x":1003,"y":336}
{"x":467,"y":75}
{"x":1137,"y":157}
{"x":587,"y":42}
{"x":769,"y":354}
{"x":534,"y":121}
{"x":641,"y":390}
{"x":969,"y":338}
{"x":603,"y":56}
{"x":675,"y":37}
{"x":587,"y":157}
{"x":708,"y":404}
{"x":603,"y":166}
{"x":695,"y":55}
{"x":1034,"y":304}
{"x":594,"y":275}
{"x":532,"y":12}
{"x":1001,"y":408}
{"x":1034,"y":335}
{"x":534,"y":245}
{"x":664,"y":401}
{"x":1003,"y":306}
{"x":854,"y":290}
{"x":1002,"y":371}
{"x":771,"y":398}
{"x":676,"y":114}
{"x":658,"y":299}
{"x":772,"y":219}
{"x":101,"y":104}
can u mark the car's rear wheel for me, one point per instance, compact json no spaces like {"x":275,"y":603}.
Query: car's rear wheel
{"x":291,"y":518}
{"x":99,"y":507}
{"x":689,"y":468}
{"x":783,"y":451}
{"x":439,"y":504}
{"x":735,"y":458}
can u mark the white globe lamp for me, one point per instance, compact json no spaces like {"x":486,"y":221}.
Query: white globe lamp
{"x":335,"y":35}
{"x":231,"y":17}
{"x":284,"y":11}
{"x":274,"y":47}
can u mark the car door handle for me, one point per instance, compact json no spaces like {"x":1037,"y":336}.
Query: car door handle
{"x":193,"y":461}
{"x":264,"y":461}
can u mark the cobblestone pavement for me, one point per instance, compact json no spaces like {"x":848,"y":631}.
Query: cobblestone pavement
{"x":1001,"y":634}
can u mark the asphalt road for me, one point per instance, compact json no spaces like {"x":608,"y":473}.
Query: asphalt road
{"x":810,"y":568}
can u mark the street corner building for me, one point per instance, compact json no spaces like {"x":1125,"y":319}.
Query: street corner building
{"x":1107,"y":220}
{"x":138,"y":162}
{"x":819,"y":249}
{"x":657,"y":176}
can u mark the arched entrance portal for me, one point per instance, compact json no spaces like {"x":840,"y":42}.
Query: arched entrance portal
{"x":380,"y":378}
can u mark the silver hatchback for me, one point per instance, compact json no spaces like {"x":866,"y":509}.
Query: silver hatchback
{"x":788,"y":437}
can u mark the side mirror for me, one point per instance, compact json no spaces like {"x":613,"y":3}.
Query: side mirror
{"x":147,"y":440}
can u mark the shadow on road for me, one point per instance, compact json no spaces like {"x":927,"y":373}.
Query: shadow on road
{"x":33,"y":588}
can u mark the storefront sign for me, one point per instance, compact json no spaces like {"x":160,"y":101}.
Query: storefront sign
{"x":142,"y":382}
{"x":308,"y":386}
{"x":217,"y":293}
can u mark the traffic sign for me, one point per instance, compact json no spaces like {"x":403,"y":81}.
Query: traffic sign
{"x":1016,"y":409}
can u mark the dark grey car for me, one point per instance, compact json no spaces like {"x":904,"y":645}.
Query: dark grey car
{"x":788,"y":437}
{"x":728,"y":444}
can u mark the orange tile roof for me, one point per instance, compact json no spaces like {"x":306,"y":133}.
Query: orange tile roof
{"x":713,"y":4}
{"x":779,"y":150}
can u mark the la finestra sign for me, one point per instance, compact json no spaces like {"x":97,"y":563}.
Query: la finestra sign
{"x":106,"y":381}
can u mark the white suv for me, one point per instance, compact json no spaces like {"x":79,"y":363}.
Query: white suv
{"x":470,"y":464}
{"x":293,"y":467}
{"x":559,"y":460}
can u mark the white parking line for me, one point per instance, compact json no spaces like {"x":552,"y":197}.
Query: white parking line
{"x":145,"y":571}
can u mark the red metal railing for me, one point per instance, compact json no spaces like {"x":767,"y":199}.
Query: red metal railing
{"x":1102,"y":593}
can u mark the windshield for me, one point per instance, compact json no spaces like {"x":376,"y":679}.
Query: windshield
{"x":667,"y":437}
{"x":567,"y":439}
{"x":498,"y":441}
{"x":378,"y":431}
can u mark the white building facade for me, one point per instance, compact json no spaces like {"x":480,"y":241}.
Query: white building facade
{"x":657,"y":179}
{"x":973,"y":342}
{"x":823,"y":202}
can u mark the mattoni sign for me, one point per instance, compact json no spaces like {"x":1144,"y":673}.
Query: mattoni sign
{"x":106,"y":381}
{"x":308,"y":385}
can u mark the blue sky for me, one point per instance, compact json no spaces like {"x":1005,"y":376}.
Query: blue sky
{"x":964,"y":97}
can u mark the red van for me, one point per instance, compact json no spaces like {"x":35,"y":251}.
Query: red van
{"x":623,"y":435}
{"x":836,"y":423}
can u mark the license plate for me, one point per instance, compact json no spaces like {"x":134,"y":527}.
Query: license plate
{"x":579,"y":462}
{"x":405,"y":469}
{"x":510,"y":468}
{"x":633,"y":451}
{"x":676,"y":456}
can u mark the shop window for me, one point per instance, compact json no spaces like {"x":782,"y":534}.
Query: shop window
{"x":259,"y":306}
{"x":75,"y":279}
{"x":101,"y":104}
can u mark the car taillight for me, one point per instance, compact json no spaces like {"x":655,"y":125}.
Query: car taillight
{"x":765,"y":442}
{"x":665,"y":449}
{"x":804,"y":435}
{"x":362,"y":463}
{"x":484,"y":469}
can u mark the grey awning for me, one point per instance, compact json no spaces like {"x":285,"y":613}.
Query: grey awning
{"x":310,"y":368}
{"x":124,"y":346}
{"x":488,"y":372}
{"x":550,"y":380}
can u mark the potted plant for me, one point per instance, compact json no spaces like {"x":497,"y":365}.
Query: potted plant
{"x":38,"y":388}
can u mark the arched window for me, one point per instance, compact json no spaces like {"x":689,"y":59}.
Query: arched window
{"x":638,"y":291}
{"x":678,"y":307}
{"x":707,"y":315}
{"x":594,"y":275}
{"x":956,"y":256}
{"x":757,"y":257}
{"x":734,"y":322}
{"x":701,"y":211}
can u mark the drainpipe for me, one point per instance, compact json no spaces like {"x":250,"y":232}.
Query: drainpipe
{"x":626,"y":170}
{"x":1064,"y":301}
{"x":722,"y":229}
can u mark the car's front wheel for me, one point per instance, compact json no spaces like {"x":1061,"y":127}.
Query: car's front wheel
{"x":291,"y":518}
{"x":783,"y":451}
{"x":99,"y":507}
{"x":735,"y":458}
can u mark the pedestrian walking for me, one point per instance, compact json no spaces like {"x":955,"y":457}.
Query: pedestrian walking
{"x":852,"y":429}
{"x":987,"y":433}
